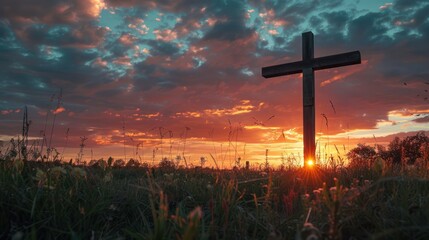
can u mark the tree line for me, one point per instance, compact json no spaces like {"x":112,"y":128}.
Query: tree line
{"x":412,"y":150}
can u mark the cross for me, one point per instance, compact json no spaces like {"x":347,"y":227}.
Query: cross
{"x":307,"y":66}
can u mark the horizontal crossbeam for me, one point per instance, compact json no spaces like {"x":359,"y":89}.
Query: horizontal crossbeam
{"x":333,"y":61}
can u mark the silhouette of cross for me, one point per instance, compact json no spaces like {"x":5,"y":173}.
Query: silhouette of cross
{"x":307,"y":66}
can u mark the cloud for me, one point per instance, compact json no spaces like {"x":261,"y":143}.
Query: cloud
{"x":233,"y":26}
{"x":166,"y":35}
{"x":195,"y":66}
{"x":82,"y":36}
{"x":405,"y":4}
{"x":424,"y":119}
{"x":59,"y":110}
{"x":385,"y":6}
{"x":127,"y":39}
{"x":50,"y":12}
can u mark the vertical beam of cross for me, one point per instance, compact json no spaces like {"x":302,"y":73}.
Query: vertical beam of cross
{"x":307,"y":66}
{"x":308,"y":94}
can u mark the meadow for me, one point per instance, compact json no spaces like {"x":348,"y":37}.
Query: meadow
{"x":54,"y":200}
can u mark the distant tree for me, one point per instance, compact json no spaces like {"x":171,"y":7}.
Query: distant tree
{"x":408,"y":150}
{"x":110,"y":161}
{"x":361,"y":156}
{"x":91,"y":163}
{"x":119,"y":163}
{"x":412,"y":147}
{"x":382,"y":152}
{"x":101,"y":163}
{"x":424,"y":149}
{"x":405,"y":151}
{"x":394,"y":155}
{"x":132,"y":163}
{"x":166,"y":164}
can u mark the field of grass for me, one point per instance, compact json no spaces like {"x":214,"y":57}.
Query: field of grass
{"x":62,"y":201}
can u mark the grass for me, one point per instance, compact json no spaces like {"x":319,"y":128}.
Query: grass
{"x":61,"y":201}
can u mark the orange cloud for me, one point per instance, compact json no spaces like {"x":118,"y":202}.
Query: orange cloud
{"x":58,"y":110}
{"x":273,"y":32}
{"x":140,"y":117}
{"x":244,"y":107}
{"x":8,"y":111}
{"x":103,"y":140}
{"x":94,"y":7}
{"x":386,"y":6}
{"x":166,"y":35}
{"x":189,"y":114}
{"x":99,"y":62}
{"x":127,"y":39}
{"x":126,"y":61}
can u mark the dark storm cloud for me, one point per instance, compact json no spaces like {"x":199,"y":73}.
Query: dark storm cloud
{"x":406,"y":4}
{"x":369,"y":29}
{"x":162,"y":48}
{"x":336,"y":21}
{"x":234,"y":26}
{"x":296,"y":12}
{"x":79,"y":36}
{"x":5,"y":32}
{"x":228,"y":31}
{"x":164,"y":5}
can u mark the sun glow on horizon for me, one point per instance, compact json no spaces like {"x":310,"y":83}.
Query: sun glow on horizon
{"x":310,"y":163}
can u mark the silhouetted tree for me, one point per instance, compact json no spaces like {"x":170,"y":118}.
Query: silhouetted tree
{"x":132,"y":163}
{"x":119,"y":163}
{"x":411,"y":147}
{"x":394,"y":155}
{"x":361,"y":156}
{"x":166,"y":164}
{"x":408,"y":150}
{"x":405,"y":151}
{"x":110,"y":161}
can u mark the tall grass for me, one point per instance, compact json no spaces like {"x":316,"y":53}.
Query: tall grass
{"x":51,"y":200}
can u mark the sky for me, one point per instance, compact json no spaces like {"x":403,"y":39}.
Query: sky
{"x":154,"y":79}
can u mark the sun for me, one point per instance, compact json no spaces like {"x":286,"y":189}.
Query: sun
{"x":310,"y":163}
